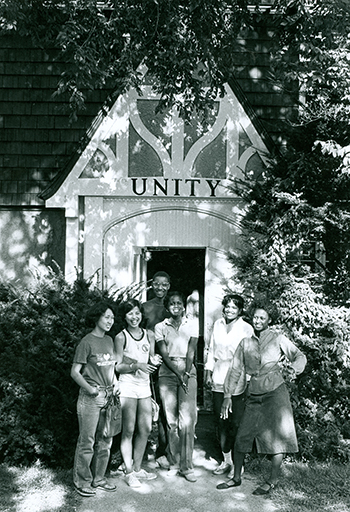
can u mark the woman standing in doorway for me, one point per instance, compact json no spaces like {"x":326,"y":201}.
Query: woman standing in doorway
{"x":268,"y":417}
{"x":135,"y":362}
{"x":93,"y":370}
{"x":228,"y":331}
{"x":176,"y":339}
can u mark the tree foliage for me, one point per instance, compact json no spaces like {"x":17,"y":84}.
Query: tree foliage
{"x":321,"y":393}
{"x":298,"y":210}
{"x":39,"y":330}
{"x":187,"y":45}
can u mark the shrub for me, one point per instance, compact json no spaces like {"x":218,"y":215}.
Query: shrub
{"x":322,"y":393}
{"x":39,"y":329}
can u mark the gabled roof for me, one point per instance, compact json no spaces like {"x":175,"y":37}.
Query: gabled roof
{"x":237,"y":91}
{"x":38,"y":146}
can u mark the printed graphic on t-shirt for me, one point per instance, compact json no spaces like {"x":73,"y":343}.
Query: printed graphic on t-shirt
{"x":104,"y":360}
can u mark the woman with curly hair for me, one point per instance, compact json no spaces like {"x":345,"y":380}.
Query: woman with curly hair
{"x":228,"y":331}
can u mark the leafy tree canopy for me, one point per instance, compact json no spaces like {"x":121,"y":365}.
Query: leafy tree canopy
{"x":187,"y":45}
{"x":298,"y":214}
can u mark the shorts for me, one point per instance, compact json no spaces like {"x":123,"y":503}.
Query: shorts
{"x":134,"y":389}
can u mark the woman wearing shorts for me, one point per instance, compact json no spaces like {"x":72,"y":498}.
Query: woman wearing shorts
{"x":135,"y":362}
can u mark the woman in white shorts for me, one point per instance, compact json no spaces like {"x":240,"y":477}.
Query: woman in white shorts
{"x":135,"y":362}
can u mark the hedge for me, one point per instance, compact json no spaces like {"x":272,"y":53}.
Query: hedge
{"x":39,"y":330}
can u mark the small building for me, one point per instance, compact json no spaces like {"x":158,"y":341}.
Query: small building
{"x":150,"y":188}
{"x":124,"y":192}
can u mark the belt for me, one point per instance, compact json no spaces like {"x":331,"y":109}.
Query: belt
{"x":177,"y":358}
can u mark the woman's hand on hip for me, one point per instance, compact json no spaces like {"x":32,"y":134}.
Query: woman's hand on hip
{"x":226,"y":408}
{"x":94,"y":391}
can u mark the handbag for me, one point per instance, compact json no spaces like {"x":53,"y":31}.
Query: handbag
{"x":113,"y":421}
{"x":155,"y":406}
{"x":155,"y":410}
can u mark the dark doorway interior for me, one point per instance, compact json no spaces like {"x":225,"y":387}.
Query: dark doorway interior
{"x":186,"y":268}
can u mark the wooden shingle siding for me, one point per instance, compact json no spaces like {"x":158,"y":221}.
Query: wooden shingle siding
{"x":36,"y":138}
{"x":252,"y":72}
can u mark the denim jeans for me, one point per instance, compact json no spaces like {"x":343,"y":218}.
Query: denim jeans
{"x":181,"y":413}
{"x":93,"y":450}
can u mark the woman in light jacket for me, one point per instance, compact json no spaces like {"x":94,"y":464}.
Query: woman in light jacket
{"x":228,"y":331}
{"x":268,"y":417}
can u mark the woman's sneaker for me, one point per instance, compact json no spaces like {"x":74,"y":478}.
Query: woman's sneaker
{"x":132,"y":480}
{"x":189,"y":475}
{"x":172,"y":471}
{"x":224,"y":467}
{"x":144,"y":475}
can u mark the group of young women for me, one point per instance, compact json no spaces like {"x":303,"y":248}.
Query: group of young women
{"x":97,"y":361}
{"x":237,"y":352}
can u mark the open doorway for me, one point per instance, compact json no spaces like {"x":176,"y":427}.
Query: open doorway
{"x":186,"y":268}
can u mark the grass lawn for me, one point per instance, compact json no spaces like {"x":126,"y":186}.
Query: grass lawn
{"x":36,"y":489}
{"x":303,"y":488}
{"x":309,"y":487}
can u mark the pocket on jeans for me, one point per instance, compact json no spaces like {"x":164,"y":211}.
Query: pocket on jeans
{"x":87,"y":396}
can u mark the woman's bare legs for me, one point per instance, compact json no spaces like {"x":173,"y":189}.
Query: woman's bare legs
{"x":144,"y":426}
{"x":276,"y":463}
{"x":238,"y":462}
{"x":129,"y":411}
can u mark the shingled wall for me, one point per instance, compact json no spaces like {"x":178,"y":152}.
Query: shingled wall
{"x":253,"y":74}
{"x":36,"y":137}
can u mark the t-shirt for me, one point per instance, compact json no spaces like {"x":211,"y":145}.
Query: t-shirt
{"x":175,"y":339}
{"x":98,"y":358}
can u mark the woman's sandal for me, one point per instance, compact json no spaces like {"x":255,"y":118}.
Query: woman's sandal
{"x":260,"y":491}
{"x":85,"y":491}
{"x":229,"y":484}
